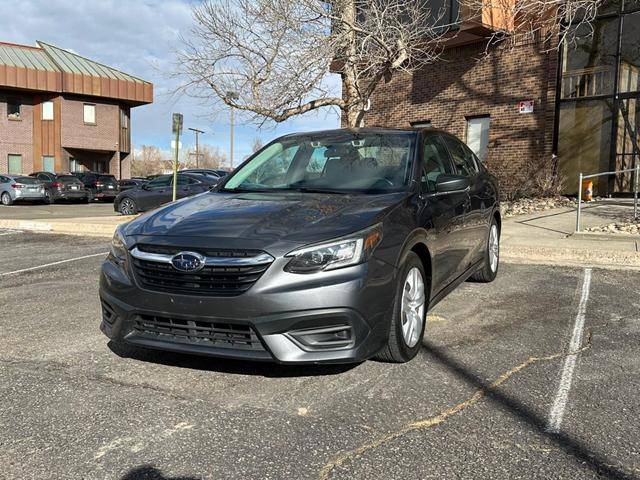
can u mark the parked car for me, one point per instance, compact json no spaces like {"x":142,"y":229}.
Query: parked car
{"x":15,"y":188}
{"x":130,"y":183}
{"x":321,"y":247}
{"x":99,"y":186}
{"x":61,"y":186}
{"x":158,"y":191}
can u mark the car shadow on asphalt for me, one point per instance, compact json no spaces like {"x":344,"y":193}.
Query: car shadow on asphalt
{"x":574,"y":447}
{"x":238,"y":367}
{"x":149,"y":472}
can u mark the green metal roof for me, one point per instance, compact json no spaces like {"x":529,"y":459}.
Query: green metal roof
{"x":27,"y":57}
{"x":73,"y":63}
{"x":54,"y":59}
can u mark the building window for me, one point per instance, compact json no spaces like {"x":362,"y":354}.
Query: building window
{"x":74,"y":165}
{"x":47,"y":110}
{"x":421,"y":124}
{"x":48,"y":163}
{"x":15,"y":163}
{"x":13,"y":110}
{"x":478,"y":135}
{"x":89,"y":113}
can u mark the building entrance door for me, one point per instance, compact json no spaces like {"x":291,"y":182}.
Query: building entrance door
{"x":627,"y":153}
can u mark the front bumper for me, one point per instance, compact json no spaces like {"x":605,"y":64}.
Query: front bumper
{"x":271,"y":315}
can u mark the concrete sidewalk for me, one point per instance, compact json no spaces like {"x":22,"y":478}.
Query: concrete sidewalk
{"x":548,"y":238}
{"x":85,"y":226}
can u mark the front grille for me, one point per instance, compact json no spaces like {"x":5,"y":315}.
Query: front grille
{"x":198,"y":332}
{"x":217,"y":280}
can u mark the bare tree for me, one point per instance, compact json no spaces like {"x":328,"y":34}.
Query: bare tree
{"x":270,"y":58}
{"x":146,"y":161}
{"x":551,"y":22}
{"x":256,"y":144}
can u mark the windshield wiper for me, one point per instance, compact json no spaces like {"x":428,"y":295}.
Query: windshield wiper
{"x":318,"y":190}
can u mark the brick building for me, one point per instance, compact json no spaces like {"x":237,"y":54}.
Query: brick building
{"x":63,"y":112}
{"x":527,"y":106}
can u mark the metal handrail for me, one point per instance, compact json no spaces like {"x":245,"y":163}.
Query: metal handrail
{"x":636,"y":178}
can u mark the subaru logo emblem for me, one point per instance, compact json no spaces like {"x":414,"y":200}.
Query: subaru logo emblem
{"x":188,"y":262}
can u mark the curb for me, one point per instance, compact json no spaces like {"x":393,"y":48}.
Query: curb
{"x":62,"y":227}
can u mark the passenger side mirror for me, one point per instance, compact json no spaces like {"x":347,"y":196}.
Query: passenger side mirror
{"x":451,"y":183}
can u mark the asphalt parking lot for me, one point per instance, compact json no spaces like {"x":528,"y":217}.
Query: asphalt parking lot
{"x":533,"y":376}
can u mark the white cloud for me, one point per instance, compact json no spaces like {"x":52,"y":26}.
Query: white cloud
{"x":139,"y":38}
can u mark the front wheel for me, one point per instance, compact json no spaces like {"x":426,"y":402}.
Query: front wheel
{"x":409,"y":313}
{"x":6,"y":199}
{"x":489,"y":269}
{"x":128,"y":207}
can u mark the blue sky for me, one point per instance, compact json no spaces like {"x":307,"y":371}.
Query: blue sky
{"x":139,"y":37}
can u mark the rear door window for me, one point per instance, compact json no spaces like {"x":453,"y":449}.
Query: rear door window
{"x":435,"y":162}
{"x":463,"y":158}
{"x":163,"y":181}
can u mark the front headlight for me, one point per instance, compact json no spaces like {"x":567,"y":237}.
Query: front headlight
{"x":118,"y":246}
{"x":345,"y":252}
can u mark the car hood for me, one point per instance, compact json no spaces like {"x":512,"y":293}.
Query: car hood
{"x":266,"y":218}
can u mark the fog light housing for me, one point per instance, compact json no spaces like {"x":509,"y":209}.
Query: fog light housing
{"x":336,"y":337}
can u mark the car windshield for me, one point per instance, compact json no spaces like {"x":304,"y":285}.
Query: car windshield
{"x":344,"y":162}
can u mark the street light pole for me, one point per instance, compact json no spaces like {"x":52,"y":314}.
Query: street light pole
{"x":197,"y":132}
{"x":231,"y":95}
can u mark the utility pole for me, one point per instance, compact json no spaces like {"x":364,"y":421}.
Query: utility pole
{"x":197,"y":132}
{"x":231,"y":95}
{"x":177,"y":130}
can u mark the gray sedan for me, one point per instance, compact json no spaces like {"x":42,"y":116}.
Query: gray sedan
{"x":17,"y":187}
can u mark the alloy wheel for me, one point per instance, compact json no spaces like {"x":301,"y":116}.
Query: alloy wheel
{"x":127,"y":207}
{"x":413,"y":306}
{"x":6,"y":199}
{"x":494,"y":248}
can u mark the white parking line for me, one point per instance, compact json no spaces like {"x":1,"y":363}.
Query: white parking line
{"x":557,"y":410}
{"x":53,"y":263}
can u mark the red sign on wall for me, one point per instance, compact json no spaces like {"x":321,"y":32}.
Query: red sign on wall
{"x":525,"y":106}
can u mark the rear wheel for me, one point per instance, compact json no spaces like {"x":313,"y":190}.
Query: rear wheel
{"x":409,"y":313}
{"x":48,"y":198}
{"x":6,"y":199}
{"x":489,"y":268}
{"x":128,"y":206}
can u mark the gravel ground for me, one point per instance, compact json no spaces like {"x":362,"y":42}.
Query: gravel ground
{"x":625,"y":225}
{"x":525,"y":206}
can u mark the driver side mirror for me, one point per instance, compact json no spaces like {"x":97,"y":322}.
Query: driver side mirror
{"x":451,"y":183}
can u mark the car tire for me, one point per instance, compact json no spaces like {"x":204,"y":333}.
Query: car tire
{"x":489,"y":269}
{"x":6,"y":199}
{"x":127,"y":206}
{"x":89,"y":198}
{"x":48,"y":198}
{"x":409,"y":316}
